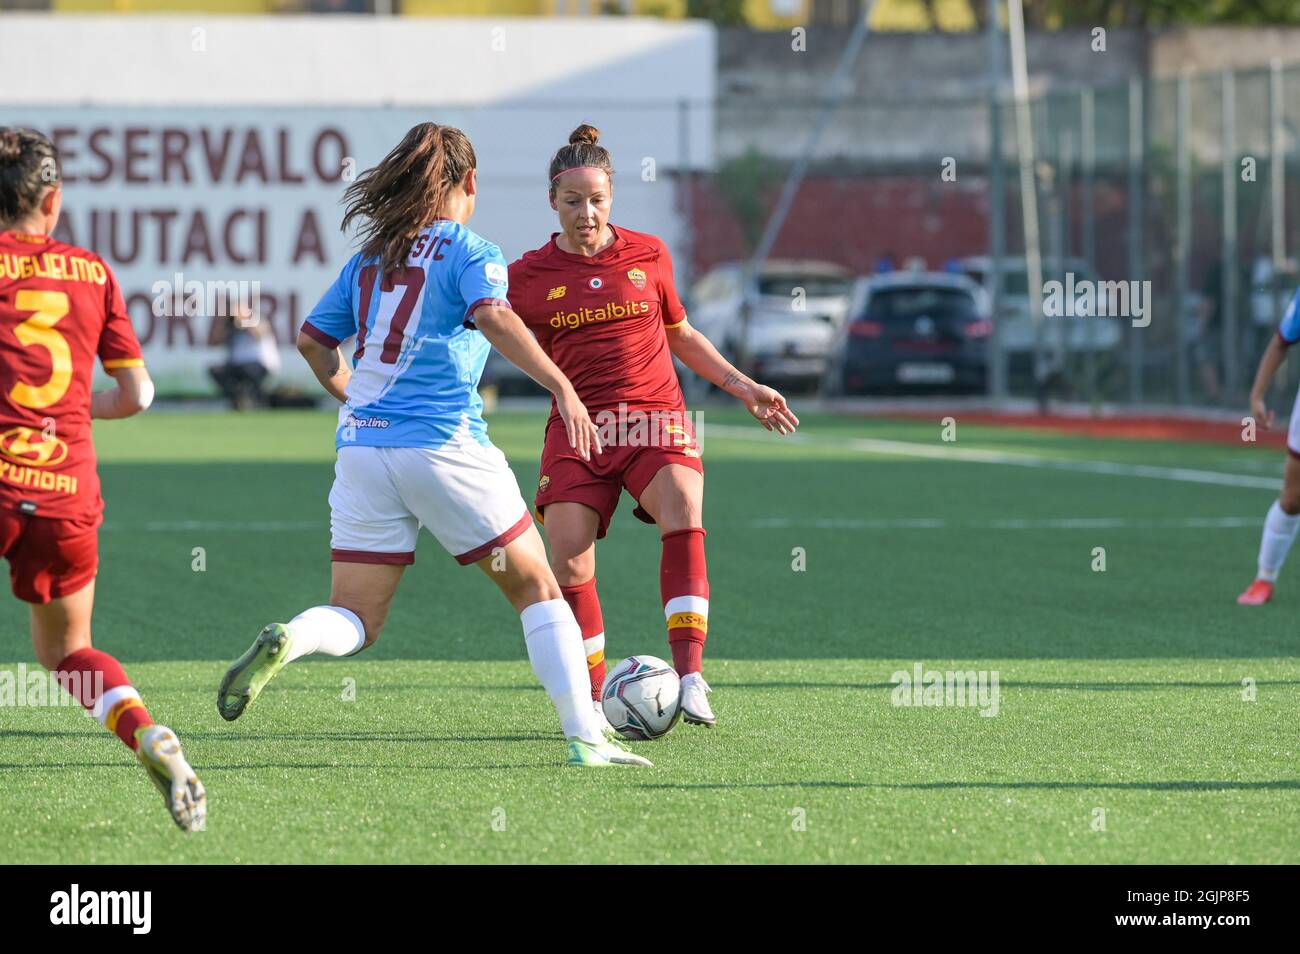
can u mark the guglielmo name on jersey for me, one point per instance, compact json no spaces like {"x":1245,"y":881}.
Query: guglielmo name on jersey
{"x":66,"y":268}
{"x":584,"y":316}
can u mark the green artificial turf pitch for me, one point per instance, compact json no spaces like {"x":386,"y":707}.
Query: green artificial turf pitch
{"x":1123,"y":731}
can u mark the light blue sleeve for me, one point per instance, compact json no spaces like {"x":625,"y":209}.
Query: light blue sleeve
{"x":1289,"y":329}
{"x":483,"y":276}
{"x":334,"y":319}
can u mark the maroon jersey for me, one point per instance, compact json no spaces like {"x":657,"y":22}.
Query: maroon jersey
{"x":60,"y":308}
{"x":601,"y":319}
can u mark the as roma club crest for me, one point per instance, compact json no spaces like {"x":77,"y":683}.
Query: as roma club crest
{"x":637,"y":278}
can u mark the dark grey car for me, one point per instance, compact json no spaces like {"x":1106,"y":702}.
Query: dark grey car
{"x":913,"y":332}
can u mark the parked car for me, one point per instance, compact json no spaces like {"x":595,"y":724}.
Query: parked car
{"x":913,"y":331}
{"x":1016,"y":332}
{"x":785,"y":335}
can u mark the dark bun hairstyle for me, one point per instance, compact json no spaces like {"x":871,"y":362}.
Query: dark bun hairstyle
{"x":28,"y":163}
{"x":584,"y":149}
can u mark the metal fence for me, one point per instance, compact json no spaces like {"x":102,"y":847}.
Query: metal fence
{"x":1183,"y":183}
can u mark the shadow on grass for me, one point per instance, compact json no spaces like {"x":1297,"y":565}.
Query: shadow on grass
{"x":1002,"y":684}
{"x":1014,"y":684}
{"x":1280,"y":785}
{"x":207,"y":769}
{"x":255,"y":736}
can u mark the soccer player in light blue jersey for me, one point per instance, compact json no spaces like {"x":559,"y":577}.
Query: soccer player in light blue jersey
{"x":425,"y":299}
{"x":1284,"y":516}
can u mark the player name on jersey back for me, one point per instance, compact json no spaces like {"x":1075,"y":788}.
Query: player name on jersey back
{"x":418,"y":355}
{"x":55,"y":266}
{"x":60,"y":309}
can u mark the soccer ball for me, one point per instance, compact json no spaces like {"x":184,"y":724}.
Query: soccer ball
{"x":642,"y":698}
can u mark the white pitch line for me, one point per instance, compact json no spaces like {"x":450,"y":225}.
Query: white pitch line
{"x":778,"y":523}
{"x":875,"y":445}
{"x":253,"y":526}
{"x":1064,"y":523}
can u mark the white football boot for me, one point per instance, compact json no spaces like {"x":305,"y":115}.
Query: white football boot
{"x":159,"y":751}
{"x":603,"y":753}
{"x":695,"y":702}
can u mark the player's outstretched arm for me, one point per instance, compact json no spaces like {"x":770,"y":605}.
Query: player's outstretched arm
{"x":328,"y":364}
{"x":132,"y":393}
{"x":507,"y":333}
{"x":697,"y":353}
{"x":1272,"y":359}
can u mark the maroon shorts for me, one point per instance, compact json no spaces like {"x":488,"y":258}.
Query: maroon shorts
{"x":48,"y":557}
{"x":631,"y":463}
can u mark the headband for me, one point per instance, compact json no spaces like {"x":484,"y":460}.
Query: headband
{"x":576,"y":168}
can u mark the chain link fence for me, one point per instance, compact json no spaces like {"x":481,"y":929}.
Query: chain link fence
{"x":1186,"y":186}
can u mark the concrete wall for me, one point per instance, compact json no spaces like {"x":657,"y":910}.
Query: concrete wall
{"x":1209,"y":49}
{"x":913,"y":97}
{"x":214,"y":149}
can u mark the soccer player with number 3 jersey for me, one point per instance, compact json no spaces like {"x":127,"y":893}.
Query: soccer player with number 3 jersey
{"x":602,"y":303}
{"x":60,"y":309}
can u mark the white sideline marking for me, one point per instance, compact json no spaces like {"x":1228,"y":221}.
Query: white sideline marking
{"x":971,"y":455}
{"x":254,"y":526}
{"x":1063,"y":523}
{"x":784,"y":523}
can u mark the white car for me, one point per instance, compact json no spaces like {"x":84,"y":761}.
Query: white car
{"x":787,"y":333}
{"x":1016,"y":332}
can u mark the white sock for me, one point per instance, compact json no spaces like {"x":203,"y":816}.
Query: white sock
{"x":554,"y":643}
{"x":331,"y":630}
{"x":1279,"y":533}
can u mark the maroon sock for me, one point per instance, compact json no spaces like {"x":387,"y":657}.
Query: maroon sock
{"x":684,"y":587}
{"x":97,"y":681}
{"x":585,"y":604}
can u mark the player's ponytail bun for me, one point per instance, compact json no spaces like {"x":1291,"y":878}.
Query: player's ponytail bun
{"x":28,"y":164}
{"x":398,"y":198}
{"x":584,"y":135}
{"x":11,"y":147}
{"x":583,"y":151}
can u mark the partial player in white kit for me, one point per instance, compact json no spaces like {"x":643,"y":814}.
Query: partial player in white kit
{"x":1284,"y":516}
{"x":425,"y":299}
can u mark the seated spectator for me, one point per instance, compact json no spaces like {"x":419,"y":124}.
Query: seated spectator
{"x":252,"y":356}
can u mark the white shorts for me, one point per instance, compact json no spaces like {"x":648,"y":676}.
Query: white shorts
{"x":464,"y":492}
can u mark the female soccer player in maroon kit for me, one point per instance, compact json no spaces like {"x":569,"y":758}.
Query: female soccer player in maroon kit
{"x":601,"y":302}
{"x":60,"y":309}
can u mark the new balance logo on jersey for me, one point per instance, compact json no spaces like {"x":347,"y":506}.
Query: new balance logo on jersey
{"x":557,"y":292}
{"x":585,"y":316}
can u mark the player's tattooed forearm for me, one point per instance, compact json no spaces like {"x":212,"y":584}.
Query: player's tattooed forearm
{"x":336,"y":362}
{"x":733,"y":377}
